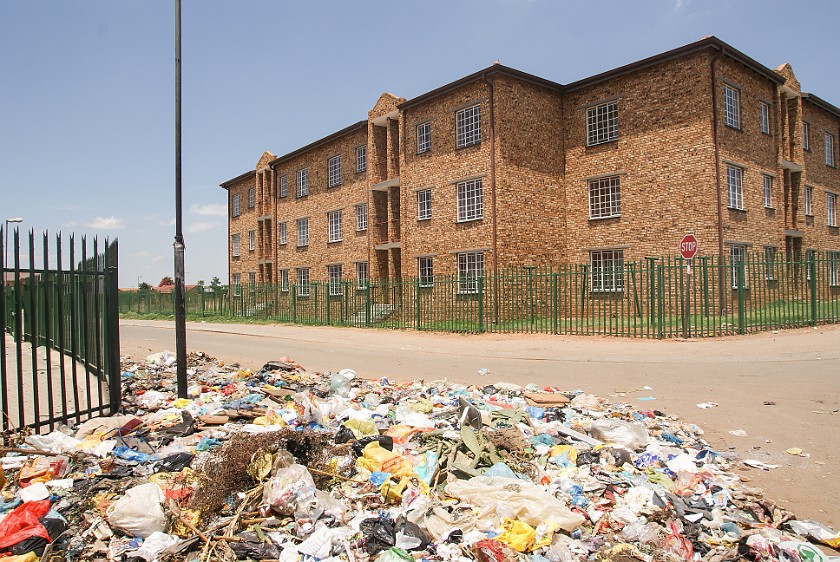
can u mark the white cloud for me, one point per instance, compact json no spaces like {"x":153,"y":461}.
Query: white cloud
{"x":143,"y":254}
{"x":106,"y":223}
{"x":70,"y":224}
{"x":201,"y":227}
{"x":211,"y":209}
{"x":158,"y":259}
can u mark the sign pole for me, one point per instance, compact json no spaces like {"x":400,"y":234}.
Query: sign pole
{"x":688,"y":248}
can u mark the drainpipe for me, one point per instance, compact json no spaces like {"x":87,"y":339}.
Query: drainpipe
{"x":493,"y":195}
{"x":721,"y":271}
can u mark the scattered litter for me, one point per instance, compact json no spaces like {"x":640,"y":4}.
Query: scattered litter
{"x":707,"y":405}
{"x":738,"y":432}
{"x":758,"y":464}
{"x":769,"y":403}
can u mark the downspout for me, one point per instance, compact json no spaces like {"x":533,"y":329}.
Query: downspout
{"x":721,"y":270}
{"x":495,"y":263}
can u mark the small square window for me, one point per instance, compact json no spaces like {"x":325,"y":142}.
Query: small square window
{"x":424,"y":204}
{"x":302,"y":182}
{"x":470,"y":200}
{"x":768,"y":191}
{"x":425,"y":271}
{"x":361,"y":158}
{"x":424,"y":137}
{"x":362,"y":275}
{"x":303,"y":232}
{"x":470,"y":269}
{"x":607,"y":270}
{"x":468,"y":126}
{"x":303,"y":281}
{"x":602,"y":123}
{"x":234,"y":206}
{"x":731,"y":107}
{"x":764,"y":117}
{"x":281,"y":230}
{"x":334,"y":171}
{"x":605,"y":197}
{"x":735,"y":187}
{"x":361,"y":217}
{"x":334,"y":225}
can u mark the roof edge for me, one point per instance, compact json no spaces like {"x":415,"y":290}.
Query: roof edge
{"x":821,"y":103}
{"x":228,"y":183}
{"x":319,"y":142}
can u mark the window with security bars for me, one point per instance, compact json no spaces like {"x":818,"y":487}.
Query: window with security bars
{"x":252,"y":240}
{"x":334,"y":279}
{"x":735,"y":187}
{"x":252,"y":281}
{"x":829,"y":150}
{"x":424,"y":204}
{"x":602,"y":123}
{"x":770,"y":262}
{"x":284,"y":280}
{"x":303,"y":281}
{"x":731,"y":107}
{"x":236,"y":281}
{"x":809,"y":201}
{"x":303,"y":232}
{"x":468,"y":126}
{"x":234,"y":206}
{"x":737,"y":256}
{"x":361,"y":217}
{"x":283,"y":186}
{"x":833,"y":268}
{"x":281,"y":233}
{"x":425,"y":271}
{"x":470,"y":200}
{"x":607,"y":267}
{"x":361,"y":158}
{"x":768,"y":191}
{"x":806,"y":136}
{"x":424,"y":137}
{"x":334,"y":225}
{"x":251,"y":198}
{"x":605,"y":197}
{"x":362,"y":275}
{"x":764,"y":117}
{"x":831,"y":208}
{"x":235,"y":245}
{"x":302,"y":182}
{"x":470,"y":269}
{"x":334,"y":171}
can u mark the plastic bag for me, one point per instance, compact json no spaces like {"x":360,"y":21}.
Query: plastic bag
{"x":491,"y":550}
{"x":618,"y":432}
{"x":291,"y":490}
{"x":793,"y":551}
{"x":138,"y":513}
{"x":518,"y":535}
{"x":677,"y":544}
{"x":22,"y":524}
{"x":378,"y":459}
{"x":154,"y":545}
{"x":43,"y":469}
{"x":817,"y":531}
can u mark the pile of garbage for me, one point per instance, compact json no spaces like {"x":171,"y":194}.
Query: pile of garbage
{"x":285,"y":464}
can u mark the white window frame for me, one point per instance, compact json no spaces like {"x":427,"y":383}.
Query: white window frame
{"x":334,"y":220}
{"x":334,"y":280}
{"x":606,"y":270}
{"x":806,"y":136}
{"x":602,"y":123}
{"x":252,"y":240}
{"x":283,"y":191}
{"x":361,"y":217}
{"x":764,"y":117}
{"x":425,"y":271}
{"x":831,"y":209}
{"x":236,"y":281}
{"x":833,"y":268}
{"x":362,"y":275}
{"x":302,"y":183}
{"x":283,"y":233}
{"x":284,"y":280}
{"x":424,"y":137}
{"x":334,"y":171}
{"x":302,"y":275}
{"x":470,"y":268}
{"x":809,"y":201}
{"x":735,"y":187}
{"x":236,"y":245}
{"x":731,"y":106}
{"x":470,"y":195}
{"x":361,"y":158}
{"x":235,"y":210}
{"x":770,"y":254}
{"x":830,"y":161}
{"x":252,"y":281}
{"x":738,"y":253}
{"x":252,"y":197}
{"x":302,"y":232}
{"x":768,"y":190}
{"x":468,"y":126}
{"x":605,"y":197}
{"x":424,"y":204}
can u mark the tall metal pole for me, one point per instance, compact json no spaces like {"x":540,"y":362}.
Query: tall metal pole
{"x":180,"y":311}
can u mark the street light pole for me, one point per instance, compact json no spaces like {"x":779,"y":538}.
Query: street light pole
{"x":6,"y":235}
{"x":180,"y":310}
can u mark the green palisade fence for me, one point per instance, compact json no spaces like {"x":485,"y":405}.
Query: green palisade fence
{"x":645,"y":299}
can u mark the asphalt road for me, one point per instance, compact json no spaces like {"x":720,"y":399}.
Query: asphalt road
{"x":782,"y":389}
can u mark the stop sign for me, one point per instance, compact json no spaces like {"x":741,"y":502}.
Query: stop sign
{"x":688,"y":246}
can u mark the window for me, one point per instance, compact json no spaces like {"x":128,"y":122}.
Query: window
{"x":770,"y":262}
{"x":302,"y":182}
{"x":602,"y":123}
{"x":235,"y":245}
{"x":334,"y":225}
{"x":809,"y":263}
{"x":831,"y":208}
{"x":764,"y":117}
{"x":361,"y":158}
{"x":362,"y":275}
{"x":607,"y":270}
{"x":605,"y":197}
{"x":237,"y":284}
{"x":424,"y":204}
{"x":424,"y":137}
{"x":251,"y":198}
{"x":731,"y":107}
{"x":302,"y":232}
{"x":252,"y":280}
{"x":829,"y":150}
{"x":425,"y":271}
{"x":303,"y":281}
{"x":283,"y":186}
{"x":284,"y":280}
{"x":334,"y":171}
{"x":469,"y":200}
{"x":806,"y":136}
{"x":252,"y":240}
{"x":833,"y":270}
{"x":735,"y":187}
{"x":282,"y":233}
{"x":738,"y":255}
{"x":361,"y":217}
{"x":334,"y":279}
{"x":468,"y":126}
{"x":470,"y":268}
{"x":768,"y":191}
{"x":809,"y":201}
{"x":234,"y":212}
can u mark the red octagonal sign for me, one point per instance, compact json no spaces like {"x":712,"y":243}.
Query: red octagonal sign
{"x":688,"y":246}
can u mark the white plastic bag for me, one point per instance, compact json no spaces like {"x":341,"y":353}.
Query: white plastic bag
{"x":617,"y":432}
{"x":291,"y":491}
{"x":138,"y":513}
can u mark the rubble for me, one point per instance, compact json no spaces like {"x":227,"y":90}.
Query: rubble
{"x":286,"y":464}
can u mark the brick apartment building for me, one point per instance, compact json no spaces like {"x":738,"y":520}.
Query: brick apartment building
{"x":502,"y":168}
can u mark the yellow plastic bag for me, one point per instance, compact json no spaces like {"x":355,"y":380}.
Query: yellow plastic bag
{"x":361,"y":428}
{"x":518,"y":535}
{"x":378,"y":459}
{"x":567,"y":451}
{"x":402,"y":434}
{"x":28,"y":557}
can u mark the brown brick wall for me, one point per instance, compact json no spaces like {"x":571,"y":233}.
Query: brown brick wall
{"x":824,"y":179}
{"x":242,"y":225}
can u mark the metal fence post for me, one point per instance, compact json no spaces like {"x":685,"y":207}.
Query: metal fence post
{"x":417,"y":303}
{"x":813,"y":286}
{"x":480,"y":304}
{"x":742,"y":305}
{"x":367,"y":305}
{"x":554,"y":302}
{"x":660,"y":300}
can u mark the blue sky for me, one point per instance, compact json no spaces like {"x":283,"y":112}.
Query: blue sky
{"x":87,"y":89}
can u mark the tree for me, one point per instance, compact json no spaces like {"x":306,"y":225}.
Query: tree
{"x":144,"y":287}
{"x":215,"y":284}
{"x":166,"y":281}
